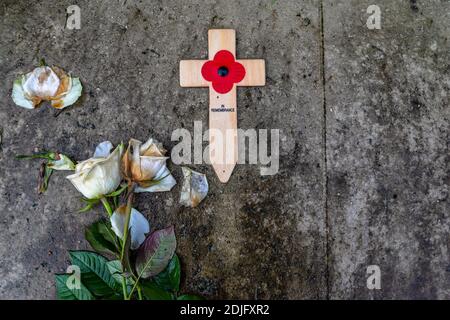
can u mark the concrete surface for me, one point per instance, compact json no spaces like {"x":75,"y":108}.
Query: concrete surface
{"x":364,"y":168}
{"x":387,"y":99}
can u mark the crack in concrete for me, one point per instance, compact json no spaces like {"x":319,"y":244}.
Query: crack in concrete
{"x":1,"y":139}
{"x":324,"y":143}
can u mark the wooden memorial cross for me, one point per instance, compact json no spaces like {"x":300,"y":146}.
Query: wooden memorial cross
{"x":222,"y":74}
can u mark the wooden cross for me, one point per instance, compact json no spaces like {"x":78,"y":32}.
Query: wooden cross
{"x":223,"y":140}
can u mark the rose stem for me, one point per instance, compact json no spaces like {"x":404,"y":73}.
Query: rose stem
{"x":107,"y":206}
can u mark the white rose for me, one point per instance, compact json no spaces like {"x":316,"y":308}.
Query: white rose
{"x":46,"y":83}
{"x":100,"y":175}
{"x":145,"y":164}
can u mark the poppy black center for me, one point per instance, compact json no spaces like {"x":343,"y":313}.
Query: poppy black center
{"x":223,"y":71}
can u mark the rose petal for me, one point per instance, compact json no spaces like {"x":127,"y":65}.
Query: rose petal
{"x":152,"y":148}
{"x":138,"y":225}
{"x":18,"y":95}
{"x":194,"y":189}
{"x":150,"y":166}
{"x":166,"y":184}
{"x":71,"y":97}
{"x":65,"y":84}
{"x":135,"y":145}
{"x":103,"y":150}
{"x":42,"y":82}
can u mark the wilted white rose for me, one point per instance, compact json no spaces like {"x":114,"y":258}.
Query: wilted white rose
{"x":145,"y":164}
{"x":46,"y":83}
{"x":138,"y":225}
{"x":98,"y":176}
{"x":194,"y":189}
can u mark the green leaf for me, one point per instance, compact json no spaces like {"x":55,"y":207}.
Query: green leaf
{"x":67,"y":292}
{"x":169,"y":278}
{"x":151,"y":182}
{"x":152,"y":292}
{"x":90,"y":203}
{"x":101,"y":238}
{"x":95,"y":274}
{"x":117,"y":192}
{"x":190,"y":297}
{"x":106,"y":231}
{"x":115,"y":268}
{"x":86,"y":208}
{"x":155,"y":253}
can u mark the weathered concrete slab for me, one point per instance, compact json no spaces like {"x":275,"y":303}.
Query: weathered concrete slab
{"x":387,"y":94}
{"x":386,"y":133}
{"x":256,"y":236}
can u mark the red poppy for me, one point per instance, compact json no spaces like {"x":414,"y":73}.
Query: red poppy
{"x":223,"y":71}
